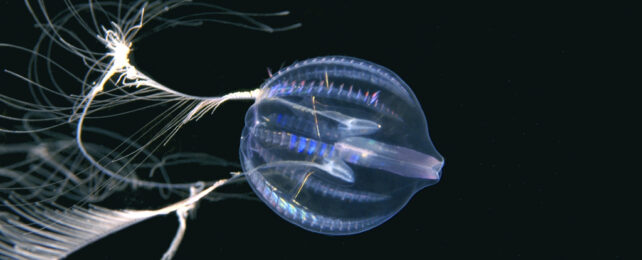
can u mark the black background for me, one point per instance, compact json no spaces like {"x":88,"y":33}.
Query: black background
{"x":504,"y":89}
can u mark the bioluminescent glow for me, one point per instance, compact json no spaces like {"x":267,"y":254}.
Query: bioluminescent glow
{"x":322,"y":146}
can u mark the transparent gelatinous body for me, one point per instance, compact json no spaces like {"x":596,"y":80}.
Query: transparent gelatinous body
{"x":337,"y":145}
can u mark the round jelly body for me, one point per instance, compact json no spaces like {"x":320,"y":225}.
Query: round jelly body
{"x":337,"y":145}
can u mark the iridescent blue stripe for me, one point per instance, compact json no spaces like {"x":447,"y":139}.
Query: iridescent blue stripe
{"x":313,"y":146}
{"x":292,"y":142}
{"x":323,"y":147}
{"x":278,"y":119}
{"x":354,"y":158}
{"x":302,"y":143}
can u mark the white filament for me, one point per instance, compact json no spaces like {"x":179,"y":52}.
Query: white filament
{"x":57,"y":165}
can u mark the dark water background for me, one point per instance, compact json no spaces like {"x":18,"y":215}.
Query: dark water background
{"x":503,"y":88}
